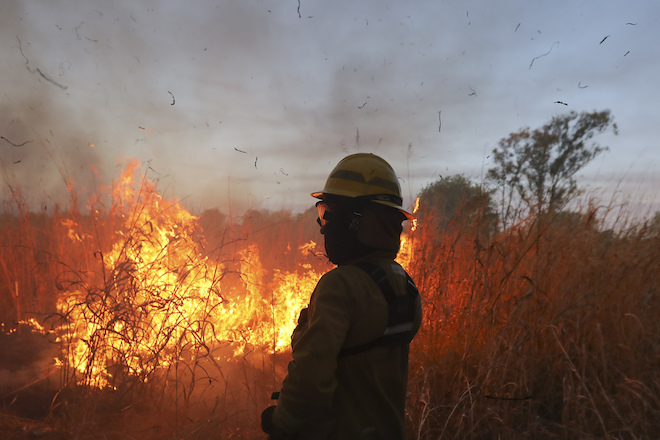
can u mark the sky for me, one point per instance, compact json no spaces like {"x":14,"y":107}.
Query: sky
{"x":249,"y":104}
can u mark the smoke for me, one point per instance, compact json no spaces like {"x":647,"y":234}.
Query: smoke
{"x":250,"y":104}
{"x":88,"y":85}
{"x":45,"y":142}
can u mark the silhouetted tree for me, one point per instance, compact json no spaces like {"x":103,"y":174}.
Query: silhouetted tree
{"x":539,"y":166}
{"x":453,"y":203}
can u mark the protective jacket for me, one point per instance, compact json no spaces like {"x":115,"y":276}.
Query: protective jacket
{"x":330,"y":395}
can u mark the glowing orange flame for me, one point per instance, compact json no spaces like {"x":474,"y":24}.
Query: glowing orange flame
{"x":405,"y":256}
{"x":161,"y":302}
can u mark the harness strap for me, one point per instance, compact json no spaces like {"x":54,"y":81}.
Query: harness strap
{"x":400,"y":310}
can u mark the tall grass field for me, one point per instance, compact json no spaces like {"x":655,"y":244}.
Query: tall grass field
{"x":130,"y":318}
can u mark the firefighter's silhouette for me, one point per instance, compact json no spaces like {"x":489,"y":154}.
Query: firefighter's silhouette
{"x":349,"y":372}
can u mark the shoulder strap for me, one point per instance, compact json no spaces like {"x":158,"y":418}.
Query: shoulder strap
{"x":401,"y":311}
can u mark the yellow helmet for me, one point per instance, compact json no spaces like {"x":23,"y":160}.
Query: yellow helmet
{"x":365,"y":176}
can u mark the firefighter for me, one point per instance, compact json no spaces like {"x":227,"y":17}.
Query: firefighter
{"x":349,"y":372}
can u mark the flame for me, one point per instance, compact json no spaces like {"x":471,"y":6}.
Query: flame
{"x":159,"y":301}
{"x":405,"y":255}
{"x":415,"y":209}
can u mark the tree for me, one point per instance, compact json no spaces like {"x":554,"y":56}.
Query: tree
{"x":454,"y":203}
{"x":539,"y":165}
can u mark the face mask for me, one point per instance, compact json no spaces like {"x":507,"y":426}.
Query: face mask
{"x":339,"y":225}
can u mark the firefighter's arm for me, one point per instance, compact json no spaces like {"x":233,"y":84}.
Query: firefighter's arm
{"x":301,"y":327}
{"x":311,"y":381}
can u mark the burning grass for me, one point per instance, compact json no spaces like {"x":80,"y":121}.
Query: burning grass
{"x":147,"y":326}
{"x":150,"y":317}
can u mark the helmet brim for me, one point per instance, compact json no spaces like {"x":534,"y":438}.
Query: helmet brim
{"x":409,"y":216}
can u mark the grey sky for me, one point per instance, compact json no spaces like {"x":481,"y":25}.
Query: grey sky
{"x":429,"y":85}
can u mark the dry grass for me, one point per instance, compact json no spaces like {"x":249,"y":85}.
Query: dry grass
{"x":141,"y":319}
{"x":547,"y":330}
